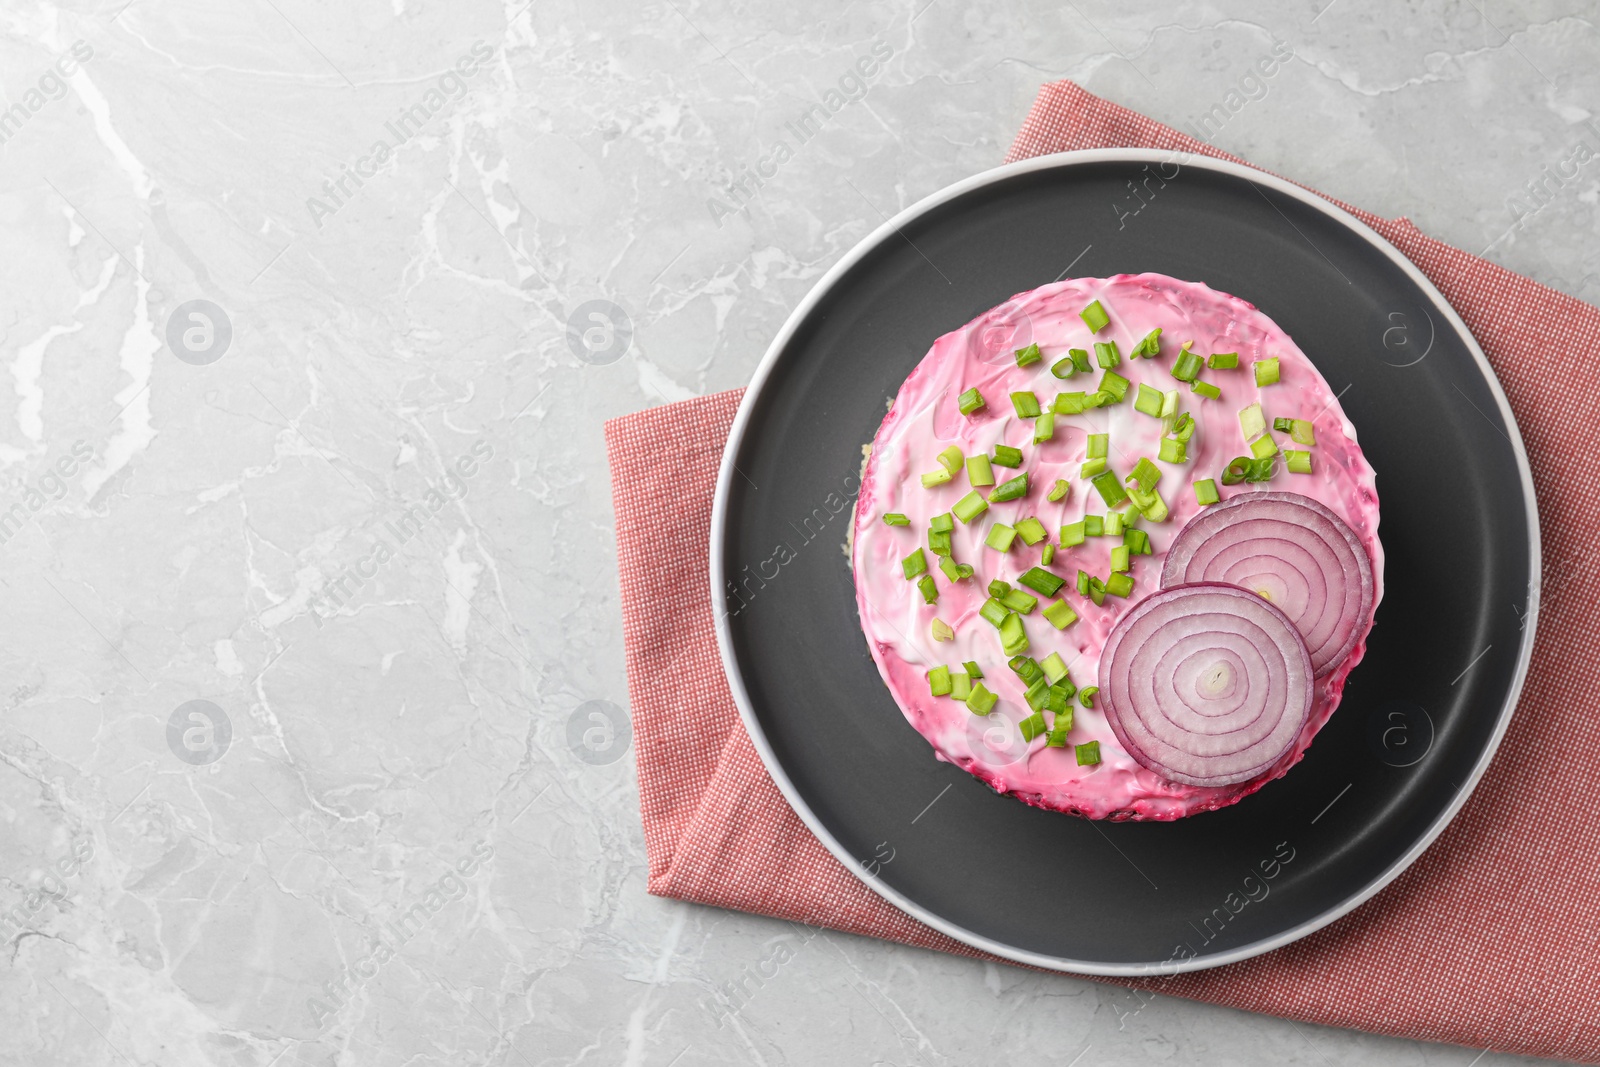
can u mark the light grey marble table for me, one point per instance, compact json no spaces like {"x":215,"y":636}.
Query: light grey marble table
{"x":305,"y":530}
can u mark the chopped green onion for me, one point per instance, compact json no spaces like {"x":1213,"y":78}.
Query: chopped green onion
{"x":978,"y":470}
{"x":1044,"y":427}
{"x":914,"y":564}
{"x":1173,"y":451}
{"x":1222,"y":360}
{"x":993,"y":612}
{"x":1080,"y":359}
{"x":1000,"y":537}
{"x":939,"y":542}
{"x":939,"y":681}
{"x":1093,"y":526}
{"x":1057,"y":737}
{"x":1091,"y":467}
{"x":1072,"y":534}
{"x":1057,"y":702}
{"x":1206,"y":389}
{"x":970,"y":507}
{"x":1149,"y":347}
{"x":929,"y":591}
{"x":1235,"y":471}
{"x":1059,"y":615}
{"x":1111,"y":490}
{"x":1107,"y":354}
{"x":1027,"y":668}
{"x":952,"y":569}
{"x":1094,"y":316}
{"x":1297,"y":461}
{"x":1145,"y":474}
{"x":1097,"y":591}
{"x":1054,"y":667}
{"x":1169,"y":403}
{"x":1113,"y":385}
{"x":970,"y":401}
{"x":950,"y":459}
{"x":1096,"y":445}
{"x":1013,"y":638}
{"x":1032,"y":726}
{"x":1020,"y":602}
{"x":1303,"y":432}
{"x":1251,"y":422}
{"x":972,"y":669}
{"x":1031,"y":531}
{"x":1148,"y":401}
{"x":1205,"y":492}
{"x":1282,"y":425}
{"x":998,"y":589}
{"x":1267,"y":371}
{"x":1038,"y":696}
{"x":1047,"y":555}
{"x":1263,"y":446}
{"x":1112,"y":527}
{"x":1086,"y":696}
{"x":942,"y":523}
{"x":933,"y":478}
{"x":960,"y":686}
{"x":1028,"y":355}
{"x":1083,"y":582}
{"x":1063,"y":367}
{"x":1068,"y":404}
{"x":1188,"y":366}
{"x":1006,"y":456}
{"x":1014,"y":489}
{"x":1042,"y":581}
{"x":1138,"y":542}
{"x":942,"y":631}
{"x":1025,"y":404}
{"x":980,"y":701}
{"x":1088,"y":753}
{"x":894,"y":518}
{"x":1119,"y":558}
{"x":1058,"y":491}
{"x":1151,"y":505}
{"x":1119,"y":584}
{"x":1183,"y":429}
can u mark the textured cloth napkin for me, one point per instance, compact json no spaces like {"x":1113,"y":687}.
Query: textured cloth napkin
{"x":1488,"y":940}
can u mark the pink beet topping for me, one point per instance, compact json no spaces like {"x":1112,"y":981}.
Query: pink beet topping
{"x":925,"y":420}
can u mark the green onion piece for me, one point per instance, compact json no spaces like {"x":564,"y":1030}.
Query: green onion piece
{"x":1059,"y":615}
{"x":939,"y":542}
{"x":1068,"y":404}
{"x":1028,"y":355}
{"x":1057,"y":737}
{"x":1282,"y":425}
{"x":970,"y":401}
{"x":1091,"y":467}
{"x":1032,"y":726}
{"x":1138,"y":542}
{"x":933,"y":478}
{"x":1027,"y":668}
{"x":1297,"y":461}
{"x":1188,"y":366}
{"x":914,"y":564}
{"x":1169,"y":404}
{"x":1025,"y":404}
{"x":1119,"y":558}
{"x":1047,"y":555}
{"x":1183,"y":429}
{"x":1155,"y":508}
{"x":1088,"y":753}
{"x":973,"y":670}
{"x":1020,"y":602}
{"x":1262,"y":470}
{"x":1113,"y":385}
{"x":1042,"y":581}
{"x":1031,"y":531}
{"x":1267,"y":371}
{"x":1303,"y":432}
{"x":1093,"y":526}
{"x":978,"y":471}
{"x":950,"y":459}
{"x":894,"y":518}
{"x":1173,"y":451}
{"x":963,"y":571}
{"x":1096,"y":445}
{"x":1000,"y":537}
{"x":1094,"y":316}
{"x":1013,"y":638}
{"x":1206,"y":389}
{"x":1205,"y":492}
{"x":942,"y":523}
{"x":980,"y":701}
{"x":1263,"y":446}
{"x":1058,"y":491}
{"x":1235,"y":471}
{"x":1072,"y":534}
{"x":929,"y":591}
{"x":1044,"y":427}
{"x":1080,"y":359}
{"x":939,"y":681}
{"x":1097,"y":591}
{"x":1145,"y":474}
{"x":1014,"y":489}
{"x":1054,"y":667}
{"x":1086,"y":696}
{"x":1112,"y":527}
{"x":998,"y":589}
{"x":1111,"y":490}
{"x":1119,"y":584}
{"x":1056,"y":702}
{"x":970,"y":507}
{"x":1251,"y":422}
{"x":1063,"y":367}
{"x":1006,"y":456}
{"x":1148,"y":401}
{"x":1222,"y":360}
{"x":1083,"y":582}
{"x":952,"y":569}
{"x":1107,"y":354}
{"x":942,"y":631}
{"x":960,"y":686}
{"x":1149,"y":347}
{"x":1037,"y":696}
{"x":993,"y":612}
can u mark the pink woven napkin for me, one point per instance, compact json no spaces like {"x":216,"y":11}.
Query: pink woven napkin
{"x":1488,"y":940}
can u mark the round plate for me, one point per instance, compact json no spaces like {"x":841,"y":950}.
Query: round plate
{"x":1423,"y":712}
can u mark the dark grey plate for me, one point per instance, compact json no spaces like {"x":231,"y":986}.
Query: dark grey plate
{"x":1421,"y":716}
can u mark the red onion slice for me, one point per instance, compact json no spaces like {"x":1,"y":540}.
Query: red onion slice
{"x":1205,"y":684}
{"x":1290,"y":550}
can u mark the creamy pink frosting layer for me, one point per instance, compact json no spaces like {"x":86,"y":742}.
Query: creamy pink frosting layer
{"x":924,"y":420}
